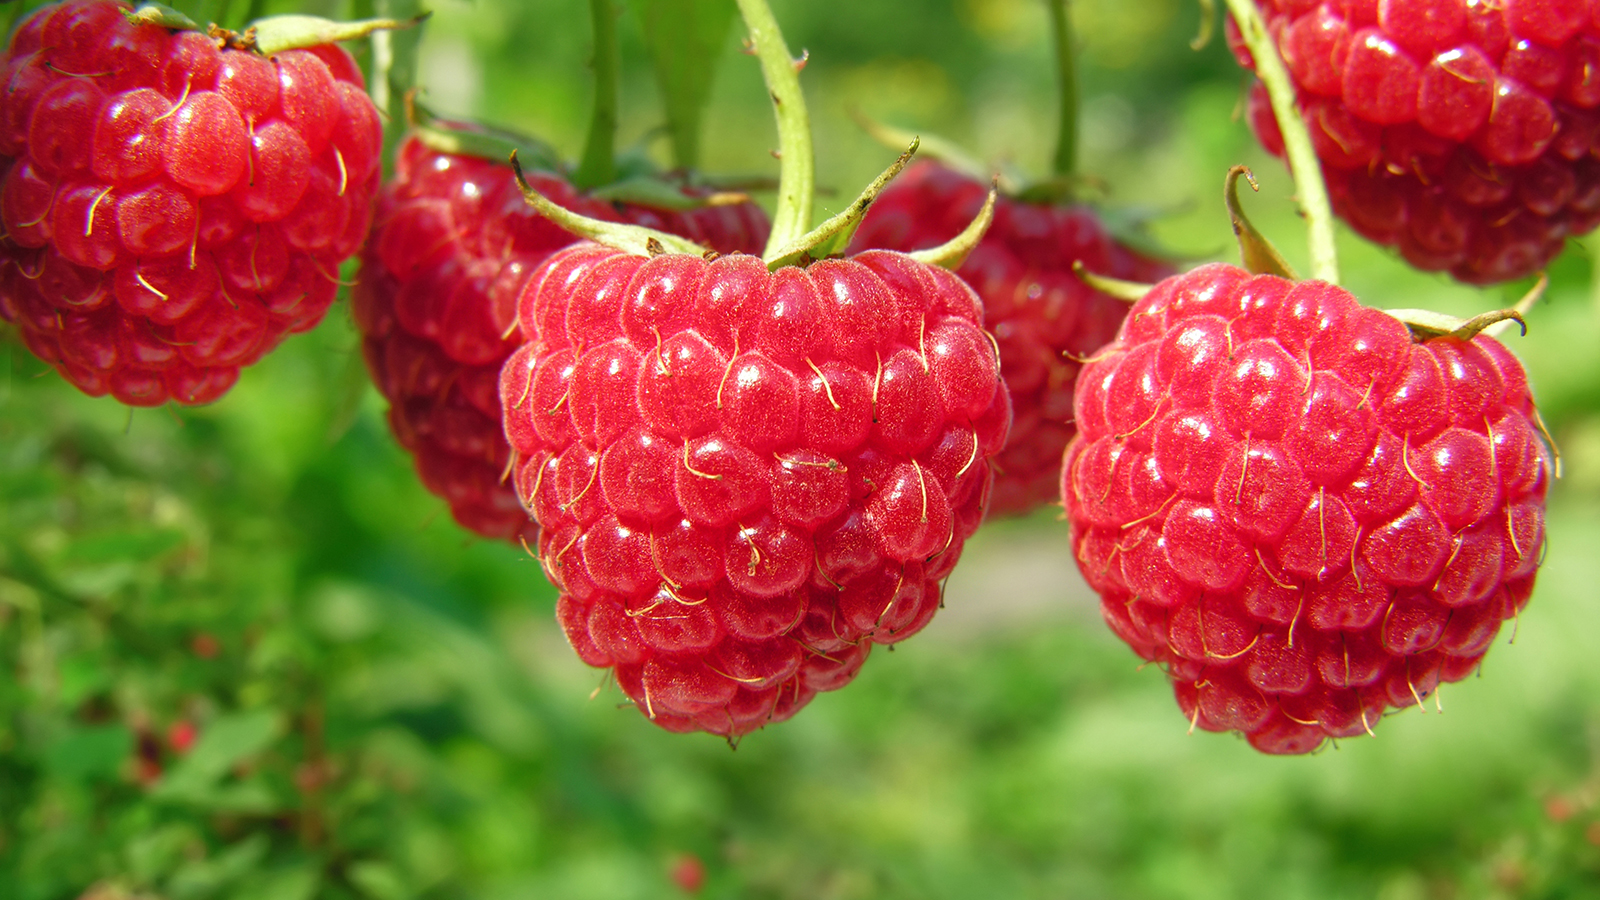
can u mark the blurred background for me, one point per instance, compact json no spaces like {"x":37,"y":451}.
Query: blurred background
{"x":385,"y":708}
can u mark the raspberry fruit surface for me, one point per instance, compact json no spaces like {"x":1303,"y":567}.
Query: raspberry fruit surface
{"x":1043,"y":316}
{"x":746,"y":479}
{"x":172,"y":210}
{"x":436,"y":299}
{"x":1304,"y":515}
{"x":1460,"y":132}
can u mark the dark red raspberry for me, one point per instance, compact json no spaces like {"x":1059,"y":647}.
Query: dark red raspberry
{"x":436,"y":303}
{"x":1461,"y":132}
{"x":1303,"y":514}
{"x":1043,"y":316}
{"x":746,"y":479}
{"x":172,"y":210}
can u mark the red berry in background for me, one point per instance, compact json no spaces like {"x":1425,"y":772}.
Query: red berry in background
{"x":1305,"y":516}
{"x":1460,"y":132}
{"x":689,"y":873}
{"x":746,"y":479}
{"x":172,"y":210}
{"x":181,"y":736}
{"x":1044,"y":318}
{"x":452,"y":244}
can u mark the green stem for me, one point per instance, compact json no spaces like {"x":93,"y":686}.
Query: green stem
{"x":797,"y":169}
{"x":1066,"y":161}
{"x":599,"y":149}
{"x":1303,"y":165}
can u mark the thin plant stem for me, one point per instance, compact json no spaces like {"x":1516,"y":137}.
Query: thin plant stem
{"x":1066,"y":159}
{"x":1303,"y":165}
{"x":598,"y":165}
{"x":797,"y":165}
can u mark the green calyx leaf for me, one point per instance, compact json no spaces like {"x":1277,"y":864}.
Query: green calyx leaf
{"x":1130,"y":291}
{"x":481,"y":141}
{"x":162,"y":15}
{"x":627,"y":238}
{"x":831,"y":237}
{"x":942,"y":150}
{"x":1257,"y":252}
{"x":1426,"y":325}
{"x":952,"y":253}
{"x":685,"y":40}
{"x":276,"y":34}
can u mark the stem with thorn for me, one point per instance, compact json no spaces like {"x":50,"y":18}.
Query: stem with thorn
{"x":1066,"y":159}
{"x":797,"y":168}
{"x":1303,"y":164}
{"x":598,"y":165}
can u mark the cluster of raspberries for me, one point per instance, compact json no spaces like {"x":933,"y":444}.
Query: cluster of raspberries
{"x":172,"y":210}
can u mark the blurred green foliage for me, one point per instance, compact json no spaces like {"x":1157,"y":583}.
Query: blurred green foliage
{"x":384,"y":708}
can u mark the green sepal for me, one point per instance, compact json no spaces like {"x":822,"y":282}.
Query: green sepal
{"x":952,"y":253}
{"x":1426,"y":325}
{"x":162,"y":15}
{"x":658,"y":194}
{"x":1258,"y":254}
{"x":481,"y":141}
{"x":1130,"y":291}
{"x":942,"y":150}
{"x":633,"y":239}
{"x":831,"y":237}
{"x":276,"y":34}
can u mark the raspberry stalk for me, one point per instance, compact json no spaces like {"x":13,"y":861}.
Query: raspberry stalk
{"x":797,"y":174}
{"x":1066,"y":158}
{"x":1303,"y":164}
{"x":598,"y":165}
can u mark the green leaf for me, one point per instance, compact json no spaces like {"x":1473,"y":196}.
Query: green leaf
{"x":223,"y":744}
{"x":143,"y":544}
{"x":205,"y":877}
{"x":297,"y":883}
{"x":379,"y":881}
{"x":85,"y":753}
{"x":685,"y":39}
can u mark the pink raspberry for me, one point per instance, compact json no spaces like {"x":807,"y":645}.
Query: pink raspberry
{"x":451,"y":247}
{"x":746,"y":479}
{"x":1044,"y":318}
{"x":173,"y":210}
{"x":1460,"y":132}
{"x":1304,"y":515}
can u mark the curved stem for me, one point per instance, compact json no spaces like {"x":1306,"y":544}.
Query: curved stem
{"x":598,"y":165}
{"x":797,"y":168}
{"x":1297,"y":147}
{"x":1066,"y":160}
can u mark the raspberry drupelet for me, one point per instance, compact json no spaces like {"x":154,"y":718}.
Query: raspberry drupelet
{"x":744,"y":479}
{"x":1461,"y":132}
{"x":172,"y":210}
{"x":452,"y":245}
{"x":1044,"y":317}
{"x":1305,"y":515}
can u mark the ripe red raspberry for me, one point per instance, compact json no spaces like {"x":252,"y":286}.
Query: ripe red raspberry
{"x":1462,"y":132}
{"x":1304,"y":515}
{"x":746,"y":479}
{"x":451,"y":247}
{"x":1043,"y":316}
{"x":173,"y":210}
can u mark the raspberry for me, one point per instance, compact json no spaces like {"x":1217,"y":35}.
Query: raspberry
{"x":1042,"y":315}
{"x":1460,"y":132}
{"x":746,"y":479}
{"x":1305,"y":516}
{"x":451,"y":246}
{"x":172,"y":210}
